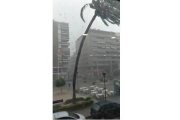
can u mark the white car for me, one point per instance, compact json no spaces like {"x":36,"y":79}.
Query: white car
{"x":111,"y":93}
{"x":99,"y":96}
{"x":100,"y":90}
{"x":92,"y":87}
{"x":81,"y":89}
{"x":67,"y":115}
{"x":86,"y":90}
{"x":93,"y":90}
{"x":96,"y":88}
{"x":93,"y":93}
{"x":104,"y":90}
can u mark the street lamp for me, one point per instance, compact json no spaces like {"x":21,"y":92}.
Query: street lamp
{"x":104,"y":75}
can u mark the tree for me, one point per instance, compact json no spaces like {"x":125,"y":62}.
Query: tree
{"x":108,"y":11}
{"x":60,"y":83}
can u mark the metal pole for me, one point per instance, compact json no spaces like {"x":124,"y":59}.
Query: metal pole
{"x":104,"y":74}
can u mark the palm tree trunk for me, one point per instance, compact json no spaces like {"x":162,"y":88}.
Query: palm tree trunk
{"x":78,"y":56}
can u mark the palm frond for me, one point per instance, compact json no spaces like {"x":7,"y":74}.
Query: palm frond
{"x":82,"y":10}
{"x":104,"y":21}
{"x":107,"y":10}
{"x":111,"y":21}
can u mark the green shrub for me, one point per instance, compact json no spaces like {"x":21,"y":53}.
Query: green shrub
{"x":71,"y":100}
{"x":56,"y":108}
{"x":88,"y":98}
{"x":60,"y":82}
{"x":87,"y":103}
{"x":77,"y":100}
{"x":72,"y":106}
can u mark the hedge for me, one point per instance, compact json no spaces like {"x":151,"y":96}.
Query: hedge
{"x":71,"y":100}
{"x":88,"y":98}
{"x":77,"y":100}
{"x":72,"y":106}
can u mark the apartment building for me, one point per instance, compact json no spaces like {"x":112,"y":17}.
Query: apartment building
{"x":100,"y":53}
{"x":61,"y":50}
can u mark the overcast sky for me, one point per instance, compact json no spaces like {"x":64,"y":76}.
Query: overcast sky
{"x":69,"y":11}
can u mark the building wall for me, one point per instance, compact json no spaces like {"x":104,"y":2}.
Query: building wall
{"x":61,"y":51}
{"x":100,"y":53}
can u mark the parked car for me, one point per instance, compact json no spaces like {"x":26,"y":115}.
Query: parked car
{"x":110,"y":93}
{"x":67,"y":115}
{"x":93,"y":93}
{"x":103,"y":91}
{"x":96,"y":88}
{"x":100,"y":90}
{"x":85,"y":91}
{"x":81,"y":89}
{"x":92,"y":87}
{"x":93,"y":90}
{"x":105,"y":109}
{"x":99,"y":96}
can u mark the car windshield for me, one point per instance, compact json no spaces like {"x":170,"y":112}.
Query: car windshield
{"x":73,"y":115}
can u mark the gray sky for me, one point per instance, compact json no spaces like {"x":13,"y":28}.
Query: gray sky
{"x":69,"y":11}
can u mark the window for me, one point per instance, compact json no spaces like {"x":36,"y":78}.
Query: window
{"x":101,"y":42}
{"x":59,"y":36}
{"x":65,"y":57}
{"x":101,"y":47}
{"x":59,"y":31}
{"x":100,"y":37}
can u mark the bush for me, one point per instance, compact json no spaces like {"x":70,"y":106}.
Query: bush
{"x":60,"y":82}
{"x":88,"y":102}
{"x":72,"y":106}
{"x":88,"y":98}
{"x":77,"y":100}
{"x":56,"y":108}
{"x":71,"y":100}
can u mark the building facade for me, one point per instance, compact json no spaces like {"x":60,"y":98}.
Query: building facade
{"x":61,"y":50}
{"x":100,"y":53}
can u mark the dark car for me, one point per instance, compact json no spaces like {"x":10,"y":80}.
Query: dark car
{"x":106,"y":110}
